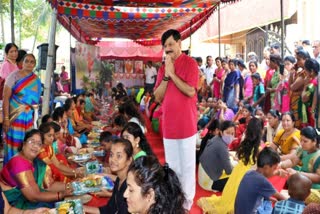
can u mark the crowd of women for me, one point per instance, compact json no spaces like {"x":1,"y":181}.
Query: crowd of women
{"x":269,"y":106}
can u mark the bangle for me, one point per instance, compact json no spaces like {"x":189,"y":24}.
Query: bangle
{"x":312,"y":111}
{"x":166,"y":78}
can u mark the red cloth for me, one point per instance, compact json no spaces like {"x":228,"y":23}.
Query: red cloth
{"x":180,"y":111}
{"x":278,"y":182}
{"x":97,"y":201}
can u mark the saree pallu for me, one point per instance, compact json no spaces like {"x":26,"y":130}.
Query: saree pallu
{"x":25,"y":94}
{"x":17,"y":199}
{"x":46,"y":154}
{"x":304,"y":108}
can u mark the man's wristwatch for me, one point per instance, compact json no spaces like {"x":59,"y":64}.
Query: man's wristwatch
{"x":166,"y":78}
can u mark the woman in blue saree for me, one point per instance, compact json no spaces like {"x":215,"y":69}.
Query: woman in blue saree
{"x":21,"y":98}
{"x":231,"y":86}
{"x":26,"y":180}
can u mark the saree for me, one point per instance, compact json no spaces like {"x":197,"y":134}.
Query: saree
{"x":230,"y":82}
{"x":275,"y":79}
{"x":224,"y":204}
{"x":304,"y":108}
{"x":25,"y":94}
{"x":15,"y":174}
{"x":46,"y":154}
{"x":295,"y":97}
{"x":285,"y":145}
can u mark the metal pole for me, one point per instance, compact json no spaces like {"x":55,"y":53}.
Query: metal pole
{"x":12,"y":20}
{"x":49,"y":68}
{"x":282,"y":29}
{"x":219,"y":30}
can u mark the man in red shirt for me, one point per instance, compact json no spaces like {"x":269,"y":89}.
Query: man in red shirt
{"x":176,"y":90}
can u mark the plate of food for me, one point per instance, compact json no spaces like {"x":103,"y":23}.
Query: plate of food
{"x":69,"y":207}
{"x":92,"y":183}
{"x":80,"y":158}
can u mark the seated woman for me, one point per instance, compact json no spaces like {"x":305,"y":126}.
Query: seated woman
{"x":223,"y":112}
{"x":215,"y":165}
{"x":308,"y":155}
{"x":80,"y":125}
{"x":132,"y":114}
{"x":120,"y":160}
{"x":247,"y":156}
{"x":153,"y":188}
{"x":48,"y":156}
{"x":26,"y":180}
{"x":287,"y":140}
{"x":273,"y":126}
{"x":138,"y":140}
{"x":6,"y":208}
{"x":246,"y":112}
{"x":69,"y":107}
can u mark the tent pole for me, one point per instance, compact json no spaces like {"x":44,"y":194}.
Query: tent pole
{"x":49,"y":67}
{"x":282,"y":29}
{"x":219,"y":30}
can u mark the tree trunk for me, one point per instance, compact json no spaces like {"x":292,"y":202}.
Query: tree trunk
{"x":3,"y":40}
{"x":12,"y":20}
{"x":35,"y":38}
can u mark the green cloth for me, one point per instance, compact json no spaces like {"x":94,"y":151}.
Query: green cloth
{"x":310,"y":163}
{"x":17,"y":199}
{"x":139,"y":154}
{"x":139,"y":95}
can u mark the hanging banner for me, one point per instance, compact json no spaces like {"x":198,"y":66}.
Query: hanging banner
{"x":88,"y":65}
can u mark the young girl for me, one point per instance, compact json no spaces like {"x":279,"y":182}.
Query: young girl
{"x":120,"y":160}
{"x":138,"y":140}
{"x":48,"y":156}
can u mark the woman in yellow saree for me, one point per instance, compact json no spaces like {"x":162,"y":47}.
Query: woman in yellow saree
{"x":246,"y":154}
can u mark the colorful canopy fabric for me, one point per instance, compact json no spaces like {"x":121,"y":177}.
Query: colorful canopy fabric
{"x":143,"y":21}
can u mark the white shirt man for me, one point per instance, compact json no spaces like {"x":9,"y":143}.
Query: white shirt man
{"x":151,"y":74}
{"x":209,"y":70}
{"x":316,"y":50}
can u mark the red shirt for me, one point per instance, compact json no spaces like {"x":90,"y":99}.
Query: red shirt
{"x":180,"y":111}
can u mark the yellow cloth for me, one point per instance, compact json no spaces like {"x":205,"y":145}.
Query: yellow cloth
{"x":224,"y":204}
{"x":286,"y":144}
{"x":205,"y":181}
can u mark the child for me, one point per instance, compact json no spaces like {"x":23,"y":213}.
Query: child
{"x":255,"y":187}
{"x":298,"y":189}
{"x":106,"y":141}
{"x":258,"y":92}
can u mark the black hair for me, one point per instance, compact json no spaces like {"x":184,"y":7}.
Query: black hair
{"x":45,"y":118}
{"x":306,"y":42}
{"x":120,"y":120}
{"x":21,"y":54}
{"x":290,"y":114}
{"x":310,"y":133}
{"x":276,"y":58}
{"x":218,"y":58}
{"x":168,"y":194}
{"x":105,"y":137}
{"x":174,"y":33}
{"x":9,"y":46}
{"x":131,"y":110}
{"x":275,"y":113}
{"x":198,"y":59}
{"x":268,"y":157}
{"x":127,"y":146}
{"x":29,"y":134}
{"x":233,"y":61}
{"x":56,"y":127}
{"x":227,"y":124}
{"x":250,"y":145}
{"x":215,"y":124}
{"x":290,"y":59}
{"x":249,"y":108}
{"x":45,"y":128}
{"x":82,"y":102}
{"x":255,"y":62}
{"x":303,"y":54}
{"x":312,"y":65}
{"x":135,"y":130}
{"x":67,"y":104}
{"x":58,"y":113}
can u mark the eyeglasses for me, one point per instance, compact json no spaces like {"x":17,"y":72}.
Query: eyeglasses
{"x":35,"y":143}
